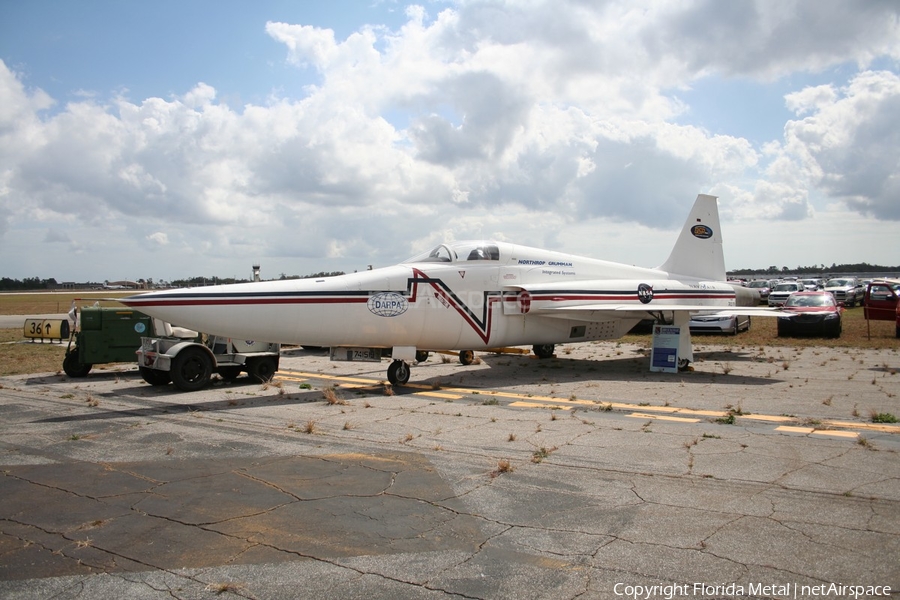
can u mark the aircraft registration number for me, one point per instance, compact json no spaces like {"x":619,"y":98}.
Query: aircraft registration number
{"x":356,"y":354}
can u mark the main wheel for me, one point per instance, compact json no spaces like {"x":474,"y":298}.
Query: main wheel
{"x":262,"y":369}
{"x":543,"y":350}
{"x":466,"y":357}
{"x":155,"y":377}
{"x":191,"y":369}
{"x":73,"y":366}
{"x":398,"y":372}
{"x":421,"y":355}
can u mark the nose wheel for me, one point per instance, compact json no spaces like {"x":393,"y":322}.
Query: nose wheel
{"x":398,"y":372}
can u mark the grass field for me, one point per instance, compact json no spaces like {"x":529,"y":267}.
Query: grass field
{"x":21,"y":358}
{"x":41,"y":303}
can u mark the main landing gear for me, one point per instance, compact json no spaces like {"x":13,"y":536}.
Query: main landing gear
{"x":398,"y":372}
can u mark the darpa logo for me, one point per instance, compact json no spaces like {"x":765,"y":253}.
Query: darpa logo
{"x":388,"y":304}
{"x":701,"y":231}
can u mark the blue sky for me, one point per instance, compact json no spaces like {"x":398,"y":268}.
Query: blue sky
{"x":174,"y":139}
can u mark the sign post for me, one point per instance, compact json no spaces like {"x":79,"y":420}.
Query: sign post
{"x":664,"y":352}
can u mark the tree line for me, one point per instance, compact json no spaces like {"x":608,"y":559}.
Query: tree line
{"x":834,"y":269}
{"x":37,"y":284}
{"x":29,"y":283}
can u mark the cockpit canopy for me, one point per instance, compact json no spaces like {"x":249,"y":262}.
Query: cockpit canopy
{"x":458,"y":252}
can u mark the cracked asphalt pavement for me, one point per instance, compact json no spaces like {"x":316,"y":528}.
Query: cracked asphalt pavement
{"x":571,"y":477}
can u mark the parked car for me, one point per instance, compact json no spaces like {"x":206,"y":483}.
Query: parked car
{"x":816,"y":313}
{"x":716,"y":324}
{"x":779,"y":294}
{"x":812,"y":285}
{"x":882,"y":302}
{"x":846,"y":289}
{"x":762,"y":286}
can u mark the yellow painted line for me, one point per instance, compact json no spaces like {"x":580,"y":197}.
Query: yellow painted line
{"x":832,"y":432}
{"x":769,"y":418}
{"x":868,"y":426}
{"x":538,"y":405}
{"x":532,"y":401}
{"x":439,"y":395}
{"x":662,"y":418}
{"x":793,"y":429}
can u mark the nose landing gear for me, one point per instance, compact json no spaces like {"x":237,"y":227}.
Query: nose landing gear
{"x":398,"y":372}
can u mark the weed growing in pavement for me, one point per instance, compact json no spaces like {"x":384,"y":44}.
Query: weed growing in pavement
{"x":878,"y":417}
{"x":221,"y":588}
{"x":541,"y":453}
{"x":331,"y":396}
{"x":503,"y":466}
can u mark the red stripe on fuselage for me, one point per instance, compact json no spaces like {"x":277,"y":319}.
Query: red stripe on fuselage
{"x":248,"y":301}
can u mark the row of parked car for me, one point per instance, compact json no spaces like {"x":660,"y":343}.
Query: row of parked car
{"x":817,"y":305}
{"x":775,"y":292}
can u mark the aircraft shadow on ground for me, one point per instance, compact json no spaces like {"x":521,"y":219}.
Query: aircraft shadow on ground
{"x":505,"y":370}
{"x":154,"y":398}
{"x":529,"y":370}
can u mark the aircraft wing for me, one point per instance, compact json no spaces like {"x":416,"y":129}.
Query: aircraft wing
{"x":636,"y":310}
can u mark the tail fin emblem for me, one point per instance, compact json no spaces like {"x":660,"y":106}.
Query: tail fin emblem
{"x":701,"y":231}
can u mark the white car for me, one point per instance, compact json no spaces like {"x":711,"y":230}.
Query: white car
{"x":779,"y":294}
{"x":846,"y":289}
{"x":716,"y":324}
{"x":812,"y":285}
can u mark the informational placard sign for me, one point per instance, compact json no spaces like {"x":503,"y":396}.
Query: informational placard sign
{"x":664,"y":352}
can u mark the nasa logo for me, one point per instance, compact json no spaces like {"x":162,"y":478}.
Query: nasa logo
{"x":388,"y":304}
{"x":140,"y":327}
{"x":701,"y":231}
{"x":645,"y":293}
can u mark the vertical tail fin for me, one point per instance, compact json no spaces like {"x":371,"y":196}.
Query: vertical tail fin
{"x":698,"y":251}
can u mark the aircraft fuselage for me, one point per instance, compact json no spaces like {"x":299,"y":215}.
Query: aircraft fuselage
{"x":467,"y":295}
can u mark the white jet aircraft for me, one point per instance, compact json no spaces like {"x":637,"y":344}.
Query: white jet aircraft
{"x":470,"y":296}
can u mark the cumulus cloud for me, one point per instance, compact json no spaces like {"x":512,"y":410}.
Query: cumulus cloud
{"x":850,"y":142}
{"x":159,"y":237}
{"x":561,"y":111}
